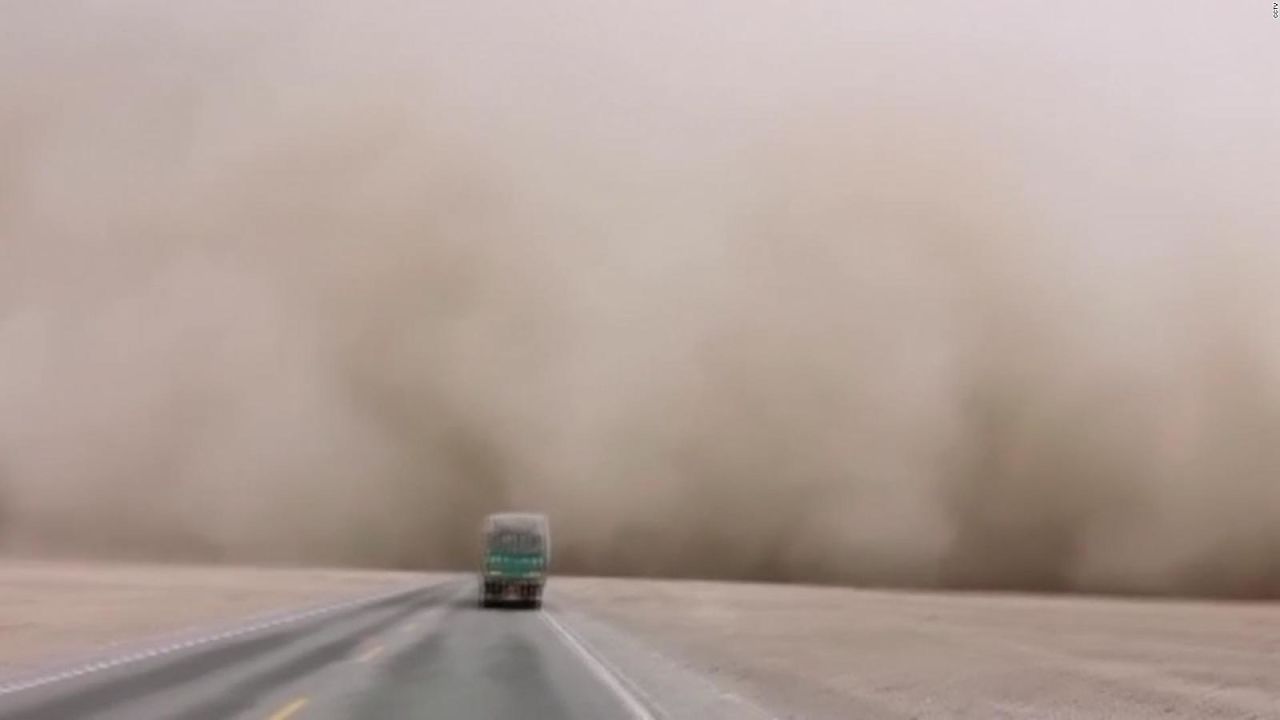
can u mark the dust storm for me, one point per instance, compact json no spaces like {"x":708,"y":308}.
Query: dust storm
{"x":820,"y":292}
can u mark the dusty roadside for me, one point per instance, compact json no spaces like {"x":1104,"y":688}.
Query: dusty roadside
{"x":807,"y":652}
{"x":50,"y":610}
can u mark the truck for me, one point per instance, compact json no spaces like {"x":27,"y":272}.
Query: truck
{"x":517,"y":556}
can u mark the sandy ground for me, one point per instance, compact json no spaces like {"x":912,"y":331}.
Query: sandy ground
{"x":838,"y":653}
{"x":792,"y":651}
{"x":50,"y":611}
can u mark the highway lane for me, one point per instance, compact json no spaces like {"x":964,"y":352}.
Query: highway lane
{"x":711,"y":651}
{"x":429,"y":652}
{"x":483,"y":664}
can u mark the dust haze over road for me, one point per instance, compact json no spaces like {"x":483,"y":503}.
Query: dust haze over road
{"x":934,"y":297}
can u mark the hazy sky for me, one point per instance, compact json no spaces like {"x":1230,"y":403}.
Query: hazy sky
{"x":962,"y":293}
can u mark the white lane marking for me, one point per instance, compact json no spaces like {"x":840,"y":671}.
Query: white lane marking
{"x":89,"y":668}
{"x":289,"y":710}
{"x":624,"y":689}
{"x":371,"y":653}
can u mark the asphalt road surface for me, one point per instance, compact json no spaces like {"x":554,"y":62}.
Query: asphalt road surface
{"x":428,"y":652}
{"x":640,"y":649}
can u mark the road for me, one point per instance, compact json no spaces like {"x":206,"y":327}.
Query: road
{"x":607,"y":649}
{"x":427,"y":652}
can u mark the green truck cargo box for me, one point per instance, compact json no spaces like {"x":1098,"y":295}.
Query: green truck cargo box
{"x":516,"y":559}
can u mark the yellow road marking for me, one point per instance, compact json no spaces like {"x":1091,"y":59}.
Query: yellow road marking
{"x":411,"y":627}
{"x":370,"y":654}
{"x":289,"y":710}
